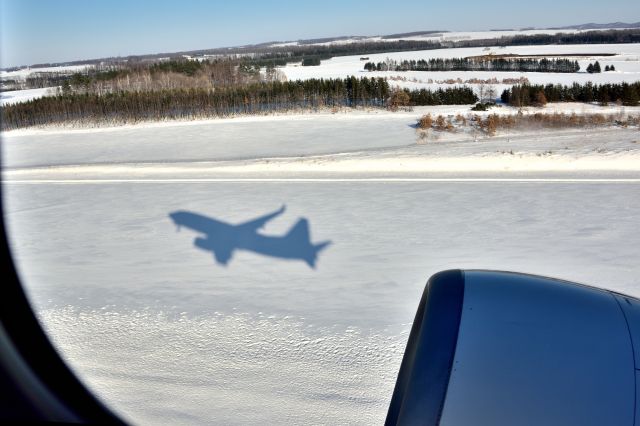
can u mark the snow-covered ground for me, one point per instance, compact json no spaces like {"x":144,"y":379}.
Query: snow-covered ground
{"x":349,"y":142}
{"x":23,"y":73}
{"x":167,"y":336}
{"x":15,"y":96}
{"x":439,"y":36}
{"x":626,"y":62}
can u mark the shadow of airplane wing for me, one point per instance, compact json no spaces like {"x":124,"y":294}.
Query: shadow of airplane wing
{"x":258,"y":223}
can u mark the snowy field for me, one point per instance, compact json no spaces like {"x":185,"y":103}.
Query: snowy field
{"x":440,"y":36}
{"x":166,"y":335}
{"x":345,"y":143}
{"x":23,"y":73}
{"x":626,"y":61}
{"x":15,"y":96}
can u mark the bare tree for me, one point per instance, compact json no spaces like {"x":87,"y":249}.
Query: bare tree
{"x":492,"y":94}
{"x":482,"y":89}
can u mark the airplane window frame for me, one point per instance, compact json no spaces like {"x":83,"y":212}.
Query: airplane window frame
{"x":36,"y":383}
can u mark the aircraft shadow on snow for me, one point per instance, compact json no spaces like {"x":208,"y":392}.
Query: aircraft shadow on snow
{"x":223,"y":238}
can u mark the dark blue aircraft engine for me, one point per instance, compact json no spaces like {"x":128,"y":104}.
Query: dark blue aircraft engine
{"x":499,"y":348}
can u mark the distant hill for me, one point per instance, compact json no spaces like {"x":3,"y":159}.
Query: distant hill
{"x":593,"y":26}
{"x":413,"y":34}
{"x":447,"y":38}
{"x":358,"y":38}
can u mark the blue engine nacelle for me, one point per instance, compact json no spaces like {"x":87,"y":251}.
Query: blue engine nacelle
{"x":499,"y":348}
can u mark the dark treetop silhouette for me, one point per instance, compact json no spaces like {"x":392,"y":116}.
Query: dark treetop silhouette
{"x":223,"y":238}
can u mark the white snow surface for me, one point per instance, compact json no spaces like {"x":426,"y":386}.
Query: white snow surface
{"x":352,"y":141}
{"x":626,"y":62}
{"x":23,"y":73}
{"x":15,"y":96}
{"x":167,"y":336}
{"x":440,"y":36}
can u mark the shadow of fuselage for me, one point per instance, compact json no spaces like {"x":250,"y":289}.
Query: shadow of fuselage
{"x":223,"y":238}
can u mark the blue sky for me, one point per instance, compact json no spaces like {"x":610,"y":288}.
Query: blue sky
{"x":37,"y":31}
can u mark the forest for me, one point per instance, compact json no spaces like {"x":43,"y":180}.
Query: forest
{"x":252,"y":58}
{"x":151,"y":76}
{"x":280,"y":56}
{"x":484,"y":63}
{"x":526,"y":95}
{"x":253,"y":98}
{"x":587,"y":37}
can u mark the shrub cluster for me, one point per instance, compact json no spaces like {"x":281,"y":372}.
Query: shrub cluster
{"x":494,"y":122}
{"x":482,"y":106}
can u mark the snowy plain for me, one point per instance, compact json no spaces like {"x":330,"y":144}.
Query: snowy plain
{"x":438,"y":36}
{"x":14,"y":96}
{"x":23,"y":73}
{"x":167,"y":336}
{"x":626,"y":60}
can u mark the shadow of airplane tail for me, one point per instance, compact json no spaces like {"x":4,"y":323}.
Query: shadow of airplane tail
{"x":316,"y":248}
{"x":298,"y":236}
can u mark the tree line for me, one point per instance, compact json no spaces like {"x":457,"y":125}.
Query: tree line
{"x":254,"y":98}
{"x":587,"y":37}
{"x":178,"y":74}
{"x":281,"y":55}
{"x":270,"y":56}
{"x":527,"y":95}
{"x":484,"y":63}
{"x":448,"y":96}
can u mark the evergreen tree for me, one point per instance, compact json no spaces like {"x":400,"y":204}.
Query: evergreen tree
{"x":541,"y":99}
{"x":603,"y":97}
{"x":630,"y":97}
{"x":66,"y":87}
{"x":596,"y":67}
{"x":310,"y":62}
{"x":506,"y":94}
{"x":590,"y":68}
